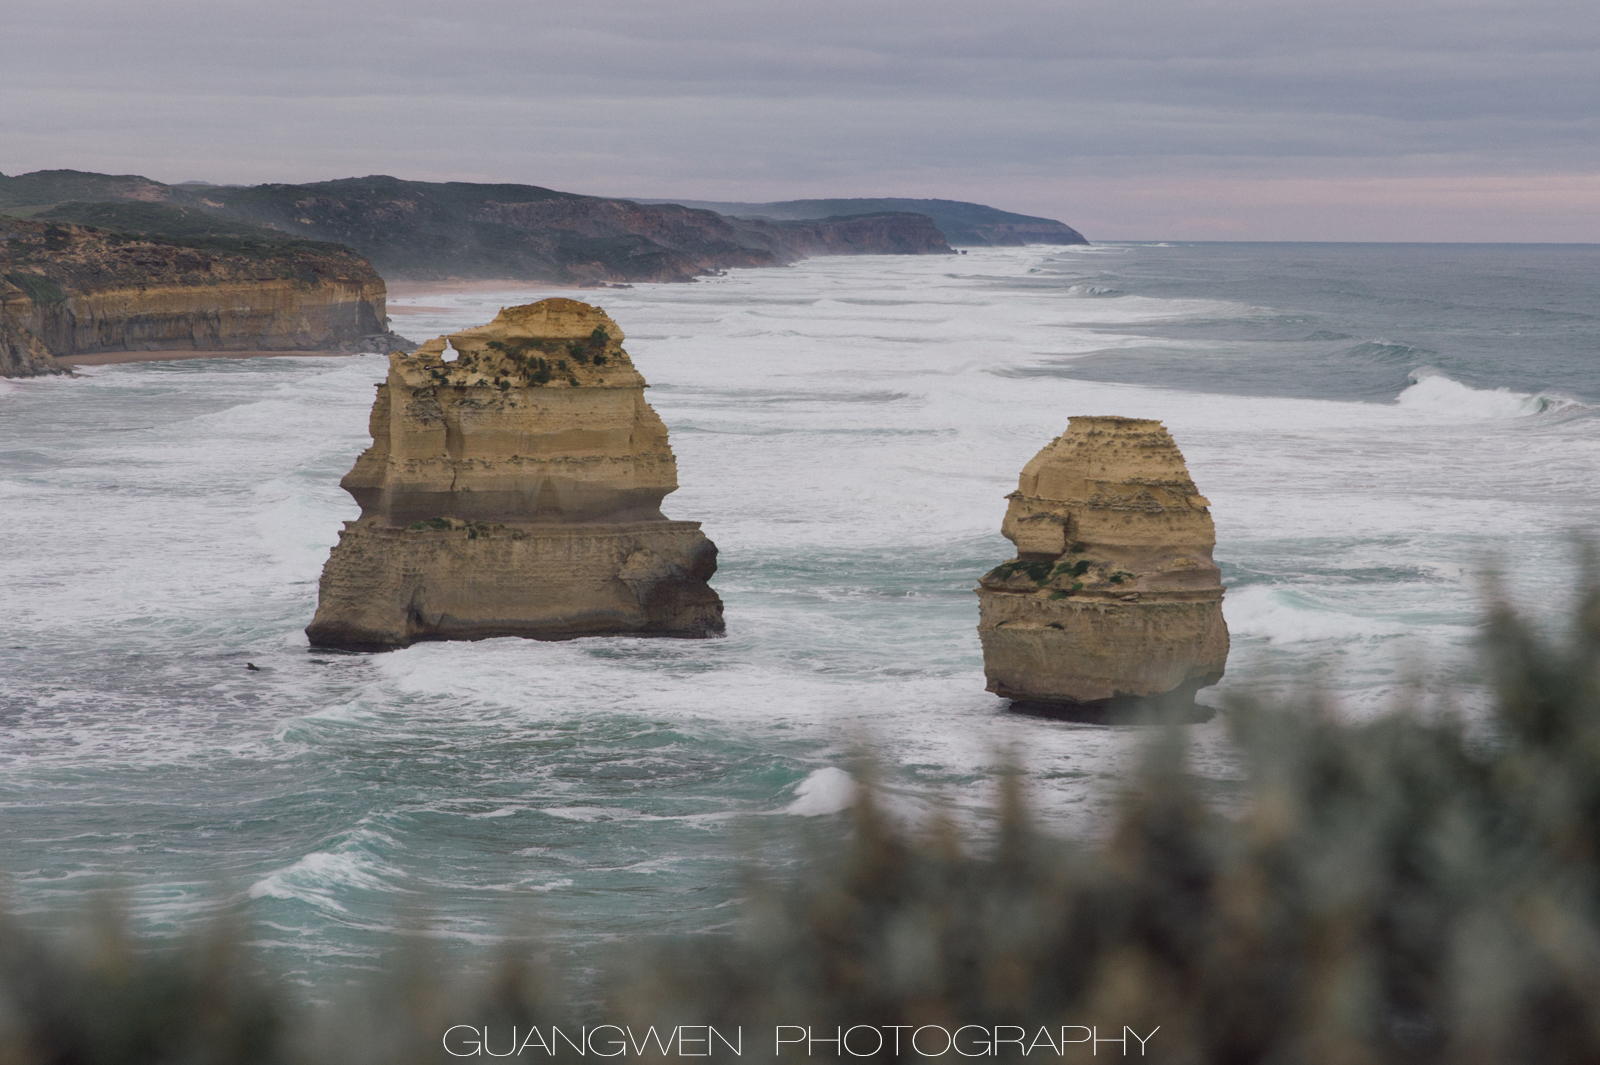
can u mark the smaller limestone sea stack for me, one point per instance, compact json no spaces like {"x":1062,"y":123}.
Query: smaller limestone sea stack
{"x":515,"y":490}
{"x":1113,"y":599}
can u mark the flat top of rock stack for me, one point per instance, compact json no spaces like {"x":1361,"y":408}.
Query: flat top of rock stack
{"x":540,"y":417}
{"x":1103,"y":460}
{"x":555,"y":342}
{"x":1110,"y":481}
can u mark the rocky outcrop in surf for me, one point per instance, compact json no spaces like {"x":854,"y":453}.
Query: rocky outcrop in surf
{"x":513,"y":488}
{"x":78,"y":290}
{"x":1113,"y":597}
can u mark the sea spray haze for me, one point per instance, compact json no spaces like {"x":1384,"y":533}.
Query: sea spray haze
{"x":1397,"y":890}
{"x":847,"y":430}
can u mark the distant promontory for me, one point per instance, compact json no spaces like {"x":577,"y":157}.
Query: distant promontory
{"x":425,"y":231}
{"x":101,"y":263}
{"x":963,"y":224}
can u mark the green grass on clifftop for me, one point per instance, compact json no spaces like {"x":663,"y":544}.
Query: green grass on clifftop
{"x":172,"y":224}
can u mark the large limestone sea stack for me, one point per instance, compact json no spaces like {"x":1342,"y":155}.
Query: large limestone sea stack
{"x":1113,"y":599}
{"x":515,"y":490}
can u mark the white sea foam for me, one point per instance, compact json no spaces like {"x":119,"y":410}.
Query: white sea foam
{"x":1287,"y":616}
{"x":847,"y":430}
{"x":1435,"y":393}
{"x":323,"y":876}
{"x":825,"y":791}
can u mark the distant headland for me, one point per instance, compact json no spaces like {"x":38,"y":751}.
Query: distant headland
{"x":97,"y":264}
{"x":963,"y":224}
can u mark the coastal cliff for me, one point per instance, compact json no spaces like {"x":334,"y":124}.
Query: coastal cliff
{"x":514,"y":489}
{"x":961,"y":224}
{"x":1113,"y":595}
{"x":877,"y":233}
{"x":419,"y":230}
{"x":424,"y":231}
{"x":21,"y":353}
{"x":76,"y":290}
{"x":675,"y":243}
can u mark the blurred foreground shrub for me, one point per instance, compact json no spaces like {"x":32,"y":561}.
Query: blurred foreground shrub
{"x":1402,"y":890}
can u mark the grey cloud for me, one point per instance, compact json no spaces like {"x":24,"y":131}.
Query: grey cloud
{"x":763,"y":99}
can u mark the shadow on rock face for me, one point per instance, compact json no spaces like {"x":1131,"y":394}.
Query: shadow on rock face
{"x":1178,"y":708}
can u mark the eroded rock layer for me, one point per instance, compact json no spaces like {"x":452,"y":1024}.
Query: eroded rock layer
{"x":1113,"y":594}
{"x":513,"y":488}
{"x":70,"y":290}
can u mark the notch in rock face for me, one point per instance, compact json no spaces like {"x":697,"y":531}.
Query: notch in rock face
{"x":1113,"y":602}
{"x":515,"y":491}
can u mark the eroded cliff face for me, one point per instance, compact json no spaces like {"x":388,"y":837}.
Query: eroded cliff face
{"x":75,"y":290}
{"x":21,"y":353}
{"x":515,"y":490}
{"x":1113,"y":594}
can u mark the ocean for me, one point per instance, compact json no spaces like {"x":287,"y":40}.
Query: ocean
{"x":1378,"y":427}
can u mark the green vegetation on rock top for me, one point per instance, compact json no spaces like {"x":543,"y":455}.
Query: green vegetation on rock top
{"x":176,"y":225}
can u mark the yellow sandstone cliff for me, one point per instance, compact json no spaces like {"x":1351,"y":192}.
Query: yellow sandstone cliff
{"x":1113,"y":594}
{"x":513,"y":488}
{"x":75,"y":290}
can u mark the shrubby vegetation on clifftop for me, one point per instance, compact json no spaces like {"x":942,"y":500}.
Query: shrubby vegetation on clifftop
{"x":1406,"y":889}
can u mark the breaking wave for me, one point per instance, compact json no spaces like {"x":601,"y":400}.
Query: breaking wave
{"x":1435,"y":393}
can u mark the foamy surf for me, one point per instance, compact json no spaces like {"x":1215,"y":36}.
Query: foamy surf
{"x":847,"y":429}
{"x":324,"y":876}
{"x":1289,"y":616}
{"x":1433,"y":392}
{"x":825,"y":791}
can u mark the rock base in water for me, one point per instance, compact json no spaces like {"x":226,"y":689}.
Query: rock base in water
{"x":1084,"y":650}
{"x":386,"y":587}
{"x":1176,"y":708}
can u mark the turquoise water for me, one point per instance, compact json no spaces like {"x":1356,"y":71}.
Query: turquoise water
{"x":1373,"y":425}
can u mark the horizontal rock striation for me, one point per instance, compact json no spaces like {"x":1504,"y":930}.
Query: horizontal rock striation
{"x":75,"y":290}
{"x":515,"y":489}
{"x":386,"y":587}
{"x":1113,"y":595}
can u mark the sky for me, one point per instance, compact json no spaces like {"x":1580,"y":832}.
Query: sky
{"x":1433,"y":120}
